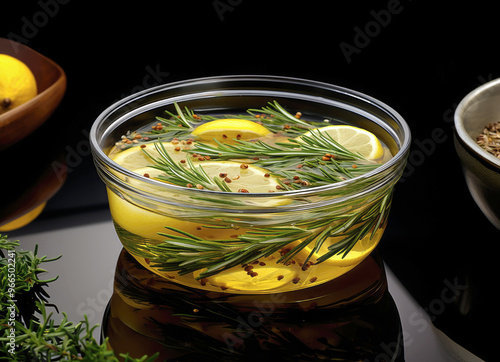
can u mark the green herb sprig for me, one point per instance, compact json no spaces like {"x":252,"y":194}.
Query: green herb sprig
{"x":322,"y":155}
{"x":176,"y":173}
{"x":185,"y":253}
{"x":186,"y":119}
{"x":24,"y":316}
{"x":273,"y":116}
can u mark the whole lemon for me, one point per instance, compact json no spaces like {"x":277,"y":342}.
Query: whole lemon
{"x":17,"y":83}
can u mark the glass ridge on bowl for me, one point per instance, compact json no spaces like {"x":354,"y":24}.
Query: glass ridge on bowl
{"x":250,"y":243}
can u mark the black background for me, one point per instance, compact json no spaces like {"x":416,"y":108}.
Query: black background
{"x":421,"y":59}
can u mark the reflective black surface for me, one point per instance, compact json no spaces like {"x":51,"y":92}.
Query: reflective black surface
{"x":351,"y":318}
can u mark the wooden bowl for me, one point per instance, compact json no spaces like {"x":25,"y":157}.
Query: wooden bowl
{"x":21,"y":121}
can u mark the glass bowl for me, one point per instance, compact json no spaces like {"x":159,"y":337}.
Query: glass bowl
{"x":255,"y":242}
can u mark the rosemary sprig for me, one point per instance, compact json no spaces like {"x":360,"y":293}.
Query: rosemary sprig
{"x":23,"y":313}
{"x":187,"y":118}
{"x":274,"y":117}
{"x":179,"y":125}
{"x":277,"y":158}
{"x":192,"y":175}
{"x":319,"y":152}
{"x":316,"y":145}
{"x":278,"y":115}
{"x":186,"y":253}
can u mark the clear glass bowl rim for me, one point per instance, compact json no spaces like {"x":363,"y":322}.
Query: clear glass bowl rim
{"x":396,"y":162}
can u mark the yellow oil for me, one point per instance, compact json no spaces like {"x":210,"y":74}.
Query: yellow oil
{"x":139,"y":228}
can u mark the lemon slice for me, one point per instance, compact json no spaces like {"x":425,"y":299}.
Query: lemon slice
{"x":226,"y":130}
{"x":241,"y":177}
{"x":265,"y":278}
{"x":354,"y":139}
{"x":133,"y":158}
{"x":356,"y":255}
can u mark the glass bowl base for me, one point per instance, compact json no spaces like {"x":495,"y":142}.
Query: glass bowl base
{"x":350,"y":318}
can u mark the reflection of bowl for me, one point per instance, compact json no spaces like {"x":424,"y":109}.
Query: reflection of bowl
{"x":147,"y":314}
{"x":51,"y":82}
{"x":481,"y":169}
